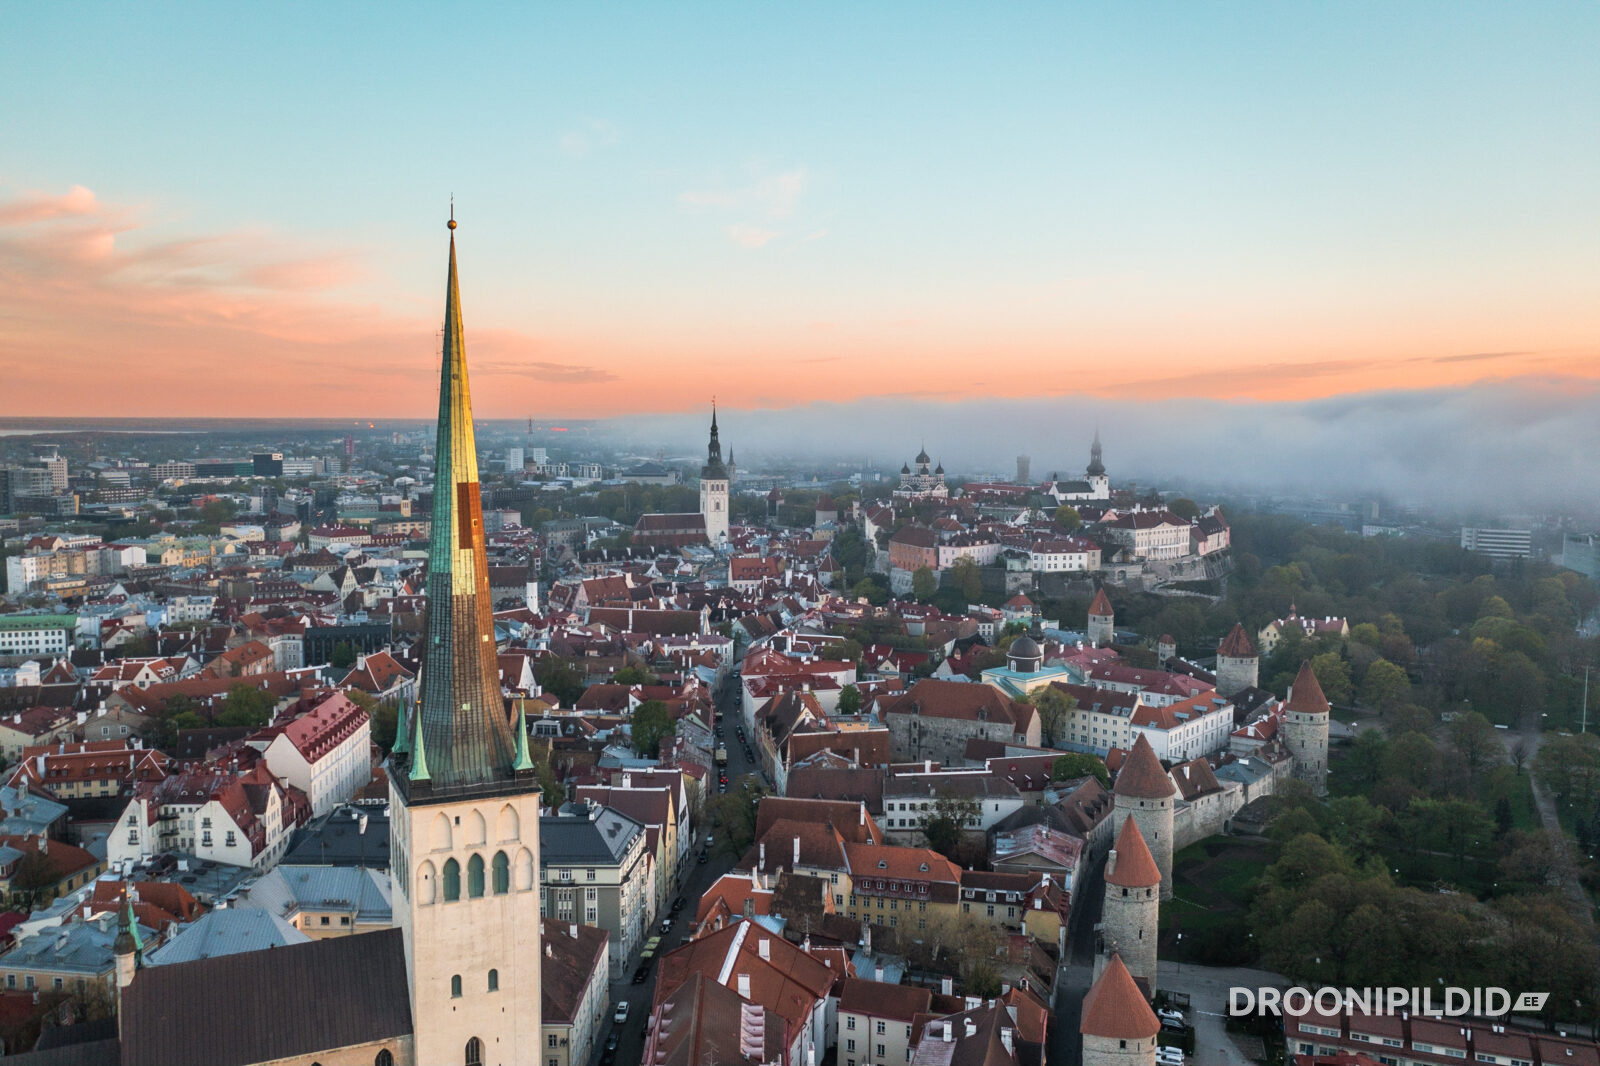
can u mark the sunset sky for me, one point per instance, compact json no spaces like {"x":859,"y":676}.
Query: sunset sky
{"x":229,"y":209}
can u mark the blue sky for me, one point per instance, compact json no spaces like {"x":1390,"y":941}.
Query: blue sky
{"x":705,"y":185}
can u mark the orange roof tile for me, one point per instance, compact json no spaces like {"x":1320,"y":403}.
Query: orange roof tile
{"x":1142,"y":776}
{"x":1116,"y":1008}
{"x":1305,"y":695}
{"x":1135,"y":867}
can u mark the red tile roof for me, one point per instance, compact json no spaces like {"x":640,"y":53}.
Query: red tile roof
{"x":1142,"y":776}
{"x":1305,"y":695}
{"x":1115,"y":1007}
{"x":1135,"y":867}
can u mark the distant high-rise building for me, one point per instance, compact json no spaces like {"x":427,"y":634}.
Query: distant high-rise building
{"x":1498,"y":543}
{"x":49,"y":456}
{"x":514,"y":460}
{"x":267,"y":464}
{"x":1024,"y":474}
{"x":1581,"y":552}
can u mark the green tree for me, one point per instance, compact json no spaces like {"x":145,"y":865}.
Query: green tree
{"x":1385,"y":686}
{"x":950,"y":817}
{"x":385,"y":717}
{"x":1473,"y":737}
{"x":560,"y":679}
{"x":633,"y":675}
{"x":924,"y":583}
{"x":1054,"y":707}
{"x":1333,"y":674}
{"x":1068,"y":518}
{"x":849,"y":700}
{"x":734,"y":814}
{"x":1184,"y":508}
{"x":871,"y":591}
{"x":966,"y":579}
{"x":1076,"y":764}
{"x":343,"y":655}
{"x":650,"y":724}
{"x":246,"y":705}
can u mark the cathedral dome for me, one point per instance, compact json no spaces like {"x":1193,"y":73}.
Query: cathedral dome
{"x":1024,"y":655}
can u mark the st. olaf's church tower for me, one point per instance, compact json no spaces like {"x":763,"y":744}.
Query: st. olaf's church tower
{"x":463,"y":793}
{"x":714,"y":479}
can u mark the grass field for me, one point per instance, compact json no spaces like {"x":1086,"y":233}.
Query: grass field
{"x":1213,"y":882}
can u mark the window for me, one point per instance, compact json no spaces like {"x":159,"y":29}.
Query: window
{"x":27,"y":982}
{"x":850,"y":1045}
{"x":474,"y":1052}
{"x":232,"y":838}
{"x":11,"y":980}
{"x":849,"y":1023}
{"x":324,"y":919}
{"x":475,"y":877}
{"x":344,"y":919}
{"x":589,"y":875}
{"x":455,"y":987}
{"x":494,"y":980}
{"x":879,"y":1031}
{"x":502,"y":873}
{"x":384,"y":1058}
{"x":452,"y":880}
{"x":550,"y":1041}
{"x":58,"y":983}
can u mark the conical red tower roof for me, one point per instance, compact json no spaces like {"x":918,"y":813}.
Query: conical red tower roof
{"x":1236,"y":645}
{"x":1101,"y":604}
{"x":1136,"y":867}
{"x":1115,"y":1007}
{"x":1141,"y":775}
{"x":1305,"y":695}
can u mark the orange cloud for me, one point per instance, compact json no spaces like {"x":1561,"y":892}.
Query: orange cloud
{"x":104,"y":316}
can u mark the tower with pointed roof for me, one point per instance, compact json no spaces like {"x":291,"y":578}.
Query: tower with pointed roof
{"x":714,"y":480}
{"x":1102,"y":626}
{"x":1144,"y":792}
{"x":1238,"y":666}
{"x":1095,"y":472}
{"x":1117,"y":1025}
{"x":464,"y":797}
{"x":1130,"y":912}
{"x":1305,"y":729}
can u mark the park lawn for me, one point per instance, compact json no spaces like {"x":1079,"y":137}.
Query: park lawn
{"x":1214,"y":881}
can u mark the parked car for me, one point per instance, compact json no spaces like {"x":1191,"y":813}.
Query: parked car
{"x":1169,"y":1056}
{"x":677,"y":905}
{"x":1173,"y":1016}
{"x":622,"y":1013}
{"x":641,"y":975}
{"x":702,"y":858}
{"x":666,"y":925}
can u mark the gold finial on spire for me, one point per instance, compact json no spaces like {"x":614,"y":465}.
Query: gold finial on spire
{"x":452,"y":222}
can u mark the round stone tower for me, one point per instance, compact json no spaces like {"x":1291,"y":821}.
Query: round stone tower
{"x":1145,"y":793}
{"x":1130,"y":916}
{"x":1118,"y":1026}
{"x":1305,"y":729}
{"x":1238,"y":666}
{"x":1102,"y":621}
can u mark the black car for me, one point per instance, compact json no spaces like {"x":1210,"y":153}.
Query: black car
{"x":677,"y":905}
{"x":702,"y":858}
{"x":641,"y":975}
{"x":611,"y":1042}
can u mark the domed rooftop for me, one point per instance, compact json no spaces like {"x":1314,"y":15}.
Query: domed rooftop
{"x":922,"y":456}
{"x":1024,"y":650}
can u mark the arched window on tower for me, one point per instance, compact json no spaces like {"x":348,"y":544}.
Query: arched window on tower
{"x":452,"y":880}
{"x":475,"y":877}
{"x":502,"y":873}
{"x":494,"y":980}
{"x":385,"y":1057}
{"x":455,"y":986}
{"x":474,"y":1052}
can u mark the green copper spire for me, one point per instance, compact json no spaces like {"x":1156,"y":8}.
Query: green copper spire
{"x":460,"y":712}
{"x":419,"y":758}
{"x":524,"y":759}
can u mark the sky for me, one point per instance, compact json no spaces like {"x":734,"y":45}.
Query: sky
{"x":228,"y":209}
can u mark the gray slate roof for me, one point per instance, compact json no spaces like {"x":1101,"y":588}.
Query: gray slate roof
{"x":226,"y":932}
{"x":231,"y":1011}
{"x":363,"y":893}
{"x":578,"y":840}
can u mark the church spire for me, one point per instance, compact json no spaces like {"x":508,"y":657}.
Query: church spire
{"x":462,"y":736}
{"x":714,"y":470}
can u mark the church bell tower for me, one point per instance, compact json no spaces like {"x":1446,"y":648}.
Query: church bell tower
{"x":463,"y":793}
{"x":714,"y":489}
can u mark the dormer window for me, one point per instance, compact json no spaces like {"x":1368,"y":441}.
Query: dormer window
{"x":882,"y":864}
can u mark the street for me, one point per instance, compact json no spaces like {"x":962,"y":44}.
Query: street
{"x":693,"y":881}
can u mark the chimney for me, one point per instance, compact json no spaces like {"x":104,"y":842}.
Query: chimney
{"x":877,"y":973}
{"x":549,"y":950}
{"x":744,"y":985}
{"x":1006,"y":1038}
{"x":764,"y":949}
{"x":761,"y":862}
{"x":971,"y":1028}
{"x":863,"y":814}
{"x":1111,"y":862}
{"x":949,"y":1031}
{"x":927,"y":766}
{"x":947,"y":986}
{"x":572,"y":930}
{"x":796,"y":851}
